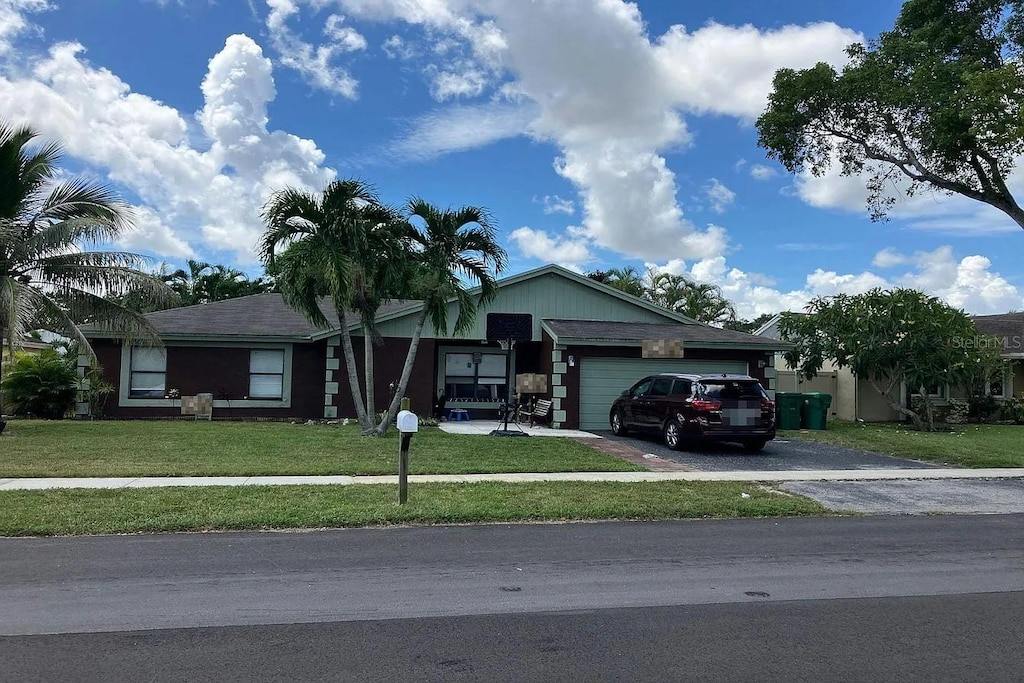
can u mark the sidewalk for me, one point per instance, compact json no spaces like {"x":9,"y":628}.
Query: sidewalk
{"x":342,"y":480}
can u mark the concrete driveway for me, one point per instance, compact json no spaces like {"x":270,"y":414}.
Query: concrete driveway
{"x":915,"y":496}
{"x":780,"y":454}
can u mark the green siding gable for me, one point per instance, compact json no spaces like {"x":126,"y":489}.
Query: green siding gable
{"x":549,"y":295}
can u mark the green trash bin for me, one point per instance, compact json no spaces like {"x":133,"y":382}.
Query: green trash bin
{"x":789,"y":404}
{"x":815,"y":410}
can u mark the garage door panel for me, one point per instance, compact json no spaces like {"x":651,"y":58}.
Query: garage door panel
{"x":603,"y":379}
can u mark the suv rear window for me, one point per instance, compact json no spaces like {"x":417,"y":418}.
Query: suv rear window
{"x":732,"y":391}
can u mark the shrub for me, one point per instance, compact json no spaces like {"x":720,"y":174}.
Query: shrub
{"x":95,"y":390}
{"x":41,"y":385}
{"x":958,"y":412}
{"x":1013,"y":409}
{"x":982,"y":407}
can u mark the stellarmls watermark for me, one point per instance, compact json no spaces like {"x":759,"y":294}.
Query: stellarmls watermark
{"x":1014,"y":342}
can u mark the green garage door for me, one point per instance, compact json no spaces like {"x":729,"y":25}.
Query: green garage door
{"x":603,"y":379}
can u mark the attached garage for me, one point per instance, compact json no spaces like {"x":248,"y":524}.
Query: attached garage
{"x":593,"y":361}
{"x":603,"y":379}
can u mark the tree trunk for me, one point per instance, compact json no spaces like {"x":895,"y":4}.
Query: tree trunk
{"x":3,"y":337}
{"x":928,"y":407}
{"x":403,"y":382}
{"x":371,"y":410}
{"x":897,"y":406}
{"x":353,"y":377}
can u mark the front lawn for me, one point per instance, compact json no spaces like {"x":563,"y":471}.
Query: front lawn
{"x":114,"y":511}
{"x":32,"y":448}
{"x":967,"y":446}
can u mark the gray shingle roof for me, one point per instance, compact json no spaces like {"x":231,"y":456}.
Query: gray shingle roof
{"x":258,"y":315}
{"x":599,"y":330}
{"x":1002,"y":325}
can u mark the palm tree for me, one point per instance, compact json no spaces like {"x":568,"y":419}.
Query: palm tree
{"x":452,"y":247}
{"x":189,"y":284}
{"x":627,"y":279}
{"x":47,"y":278}
{"x":344,"y":244}
{"x":702,"y":301}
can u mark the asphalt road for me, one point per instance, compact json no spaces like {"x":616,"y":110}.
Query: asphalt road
{"x":948,"y":638}
{"x":926,"y":598}
{"x":778,"y":454}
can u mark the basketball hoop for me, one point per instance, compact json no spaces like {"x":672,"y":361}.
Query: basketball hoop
{"x":506,"y":344}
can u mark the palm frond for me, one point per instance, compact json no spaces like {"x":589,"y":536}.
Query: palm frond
{"x":288,"y":214}
{"x":107,"y":315}
{"x":81,"y":198}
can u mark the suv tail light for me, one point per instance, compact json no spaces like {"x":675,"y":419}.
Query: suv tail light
{"x":768,"y":406}
{"x":701,"y":404}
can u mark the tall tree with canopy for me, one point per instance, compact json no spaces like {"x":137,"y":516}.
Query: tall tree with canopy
{"x":453,"y":248}
{"x":48,"y":278}
{"x":890,"y":338}
{"x":344,"y":244}
{"x":937,"y":103}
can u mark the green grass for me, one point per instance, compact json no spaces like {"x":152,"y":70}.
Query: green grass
{"x":32,"y":448}
{"x":967,"y":446}
{"x":91,"y":511}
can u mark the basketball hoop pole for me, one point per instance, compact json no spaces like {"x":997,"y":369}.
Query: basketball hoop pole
{"x":507,"y":345}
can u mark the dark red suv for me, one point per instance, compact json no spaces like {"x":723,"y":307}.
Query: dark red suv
{"x":687,"y":408}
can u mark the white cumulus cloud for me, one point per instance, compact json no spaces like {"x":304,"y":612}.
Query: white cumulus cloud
{"x":14,"y":20}
{"x":195,"y":186}
{"x":316,"y":63}
{"x":566,"y":250}
{"x":579,"y":61}
{"x":762,"y":172}
{"x":718,"y":195}
{"x":555,"y":204}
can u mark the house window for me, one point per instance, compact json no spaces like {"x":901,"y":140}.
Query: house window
{"x":476,"y":377}
{"x":935,"y":391}
{"x":266,"y":373}
{"x":148,"y":372}
{"x":995,"y":387}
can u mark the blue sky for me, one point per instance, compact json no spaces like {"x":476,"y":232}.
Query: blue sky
{"x":599,"y":133}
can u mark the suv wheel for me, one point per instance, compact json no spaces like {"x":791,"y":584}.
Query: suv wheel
{"x":754,"y":446}
{"x":618,"y":424}
{"x":674,"y":435}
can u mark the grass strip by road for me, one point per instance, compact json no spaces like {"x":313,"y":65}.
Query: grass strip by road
{"x":965,"y":446}
{"x":90,"y":511}
{"x":37,"y":448}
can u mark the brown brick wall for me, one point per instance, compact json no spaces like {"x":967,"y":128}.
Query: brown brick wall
{"x":388,"y":361}
{"x":224,"y":372}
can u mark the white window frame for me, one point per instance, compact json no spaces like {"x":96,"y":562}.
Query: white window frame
{"x":252,"y":373}
{"x":124,"y":400}
{"x":941,"y":394}
{"x":133,"y":351}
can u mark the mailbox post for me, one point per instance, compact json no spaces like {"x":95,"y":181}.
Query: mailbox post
{"x":408,"y":424}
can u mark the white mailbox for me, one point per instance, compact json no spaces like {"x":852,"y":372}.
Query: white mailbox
{"x":408,"y":422}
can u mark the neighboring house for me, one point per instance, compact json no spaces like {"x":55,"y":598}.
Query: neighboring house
{"x":857,"y":399}
{"x":26,"y":345}
{"x":1008,"y":330}
{"x":259,"y":358}
{"x":852,"y":399}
